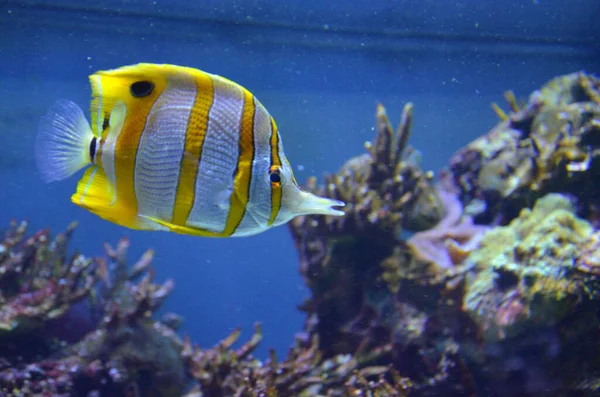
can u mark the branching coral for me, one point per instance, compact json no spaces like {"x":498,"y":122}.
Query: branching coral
{"x":385,"y":190}
{"x":35,"y":285}
{"x":128,"y":353}
{"x":122,"y":355}
{"x":222,"y":371}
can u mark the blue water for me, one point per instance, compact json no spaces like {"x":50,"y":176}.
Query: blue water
{"x":319,"y":67}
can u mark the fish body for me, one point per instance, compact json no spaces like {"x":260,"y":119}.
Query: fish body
{"x":176,"y":149}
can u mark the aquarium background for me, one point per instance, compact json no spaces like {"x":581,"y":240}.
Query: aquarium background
{"x":319,"y":68}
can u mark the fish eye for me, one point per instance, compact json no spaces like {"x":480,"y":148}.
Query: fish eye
{"x":275,"y":175}
{"x":140,"y":89}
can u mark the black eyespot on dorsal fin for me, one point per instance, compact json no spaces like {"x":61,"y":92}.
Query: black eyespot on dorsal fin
{"x":93,"y":144}
{"x":141,"y":89}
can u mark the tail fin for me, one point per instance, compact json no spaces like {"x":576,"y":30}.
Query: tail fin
{"x":62,"y":146}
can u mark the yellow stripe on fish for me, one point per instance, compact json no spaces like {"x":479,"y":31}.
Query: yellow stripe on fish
{"x":177,"y":149}
{"x":194,"y":142}
{"x":274,"y":170}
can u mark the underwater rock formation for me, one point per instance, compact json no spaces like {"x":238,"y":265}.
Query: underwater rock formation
{"x":548,"y":145}
{"x":372,"y":291}
{"x":524,"y":275}
{"x":534,"y":302}
{"x":453,"y":299}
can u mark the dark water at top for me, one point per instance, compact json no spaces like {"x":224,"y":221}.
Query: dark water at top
{"x":319,"y":67}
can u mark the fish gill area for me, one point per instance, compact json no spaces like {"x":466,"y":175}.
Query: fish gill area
{"x":481,"y":279}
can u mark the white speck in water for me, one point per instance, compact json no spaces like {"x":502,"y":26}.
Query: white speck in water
{"x":300,"y":167}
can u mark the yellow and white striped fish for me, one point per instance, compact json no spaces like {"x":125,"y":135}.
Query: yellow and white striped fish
{"x":176,"y":149}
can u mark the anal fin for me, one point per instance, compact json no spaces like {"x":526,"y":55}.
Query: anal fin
{"x":96,"y":193}
{"x":182,"y":229}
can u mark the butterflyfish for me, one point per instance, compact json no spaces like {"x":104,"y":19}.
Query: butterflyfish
{"x":176,"y":149}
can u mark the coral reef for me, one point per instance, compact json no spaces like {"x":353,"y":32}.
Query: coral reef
{"x":535,"y":303}
{"x":222,"y":371}
{"x":121,"y":351}
{"x":85,"y":327}
{"x":548,"y":145}
{"x":373,"y":291}
{"x":482,"y":281}
{"x":35,"y":287}
{"x":524,"y":275}
{"x":385,"y":190}
{"x":464,"y":265}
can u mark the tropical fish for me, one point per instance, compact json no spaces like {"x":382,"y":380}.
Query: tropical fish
{"x":176,"y":149}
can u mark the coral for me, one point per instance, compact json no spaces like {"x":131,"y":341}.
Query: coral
{"x":385,"y":190}
{"x":549,"y":145}
{"x":364,"y":278}
{"x":532,"y":291}
{"x":524,"y":275}
{"x":511,"y":289}
{"x":339,"y":257}
{"x":123,"y":353}
{"x":222,"y":371}
{"x":588,"y":258}
{"x":35,"y":286}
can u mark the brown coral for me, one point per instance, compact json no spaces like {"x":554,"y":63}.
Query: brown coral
{"x":385,"y":190}
{"x":222,"y":371}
